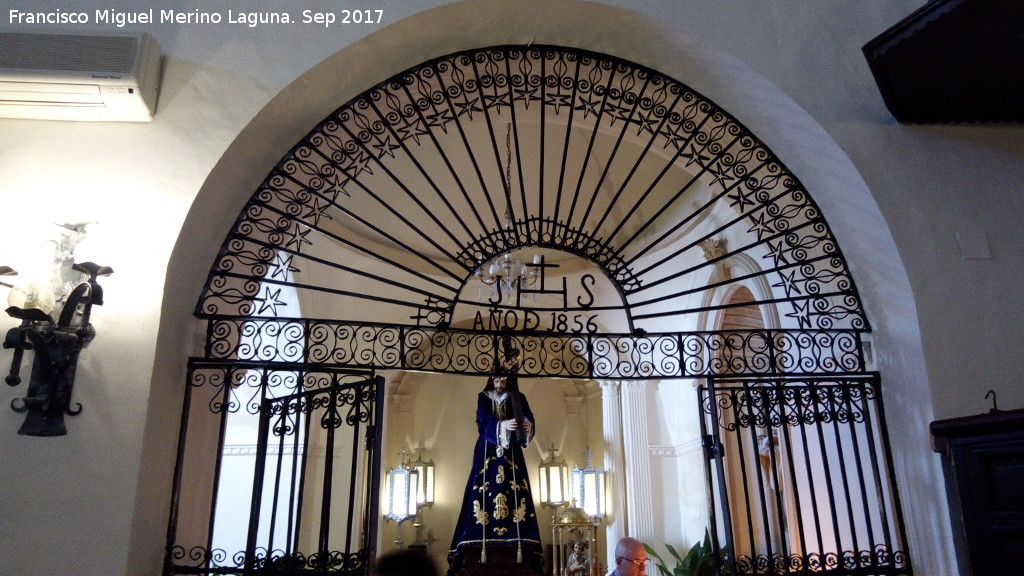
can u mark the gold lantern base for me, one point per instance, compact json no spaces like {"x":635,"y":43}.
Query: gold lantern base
{"x":570,"y":527}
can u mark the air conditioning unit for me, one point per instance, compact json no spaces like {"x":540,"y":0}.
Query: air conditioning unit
{"x":79,"y":77}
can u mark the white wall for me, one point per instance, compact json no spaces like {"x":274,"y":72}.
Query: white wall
{"x":947,"y":329}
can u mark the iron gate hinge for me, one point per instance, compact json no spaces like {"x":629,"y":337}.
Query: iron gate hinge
{"x":371,"y":433}
{"x":712,"y":449}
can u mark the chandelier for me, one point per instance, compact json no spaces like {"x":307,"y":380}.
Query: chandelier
{"x":506,"y":272}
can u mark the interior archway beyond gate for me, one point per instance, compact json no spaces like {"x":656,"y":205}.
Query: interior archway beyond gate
{"x":627,"y":188}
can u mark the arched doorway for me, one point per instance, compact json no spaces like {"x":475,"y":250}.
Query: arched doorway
{"x":605,"y":179}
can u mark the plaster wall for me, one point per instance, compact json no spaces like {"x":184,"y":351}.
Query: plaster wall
{"x":234,"y":99}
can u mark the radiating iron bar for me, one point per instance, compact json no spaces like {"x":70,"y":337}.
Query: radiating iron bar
{"x":724,"y":227}
{"x":335,"y":291}
{"x":692,"y":215}
{"x":822,"y":396}
{"x":359,"y":219}
{"x":494,"y":102}
{"x":655,"y":134}
{"x":456,"y":119}
{"x":742,"y":249}
{"x":626,"y":123}
{"x":694,"y":179}
{"x":790,"y":300}
{"x":599,"y":114}
{"x":355,"y":247}
{"x":568,"y":136}
{"x":428,"y":238}
{"x":451,"y":170}
{"x":506,"y":189}
{"x":724,"y":282}
{"x":611,"y":157}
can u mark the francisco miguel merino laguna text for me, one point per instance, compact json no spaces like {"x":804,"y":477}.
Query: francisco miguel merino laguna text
{"x":122,"y":18}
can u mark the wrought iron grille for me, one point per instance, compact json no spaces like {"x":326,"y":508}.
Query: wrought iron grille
{"x":395,"y":201}
{"x":801,"y":473}
{"x":606,"y":356}
{"x":360,"y":248}
{"x":293,"y":494}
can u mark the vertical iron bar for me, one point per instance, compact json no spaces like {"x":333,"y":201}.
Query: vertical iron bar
{"x":257,"y":484}
{"x":751,"y":396}
{"x":791,"y":403}
{"x":373,"y":471}
{"x":774,"y":445}
{"x":300,"y":500}
{"x":361,"y":389}
{"x":846,"y":389}
{"x":764,"y":396}
{"x":823,"y":397}
{"x":179,"y":465}
{"x":807,"y":391}
{"x":219,"y":459}
{"x":892,"y":492}
{"x":325,"y":502}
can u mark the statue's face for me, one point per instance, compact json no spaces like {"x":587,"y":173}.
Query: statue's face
{"x":499,"y":384}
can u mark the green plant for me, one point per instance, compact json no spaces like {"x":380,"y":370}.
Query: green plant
{"x":699,"y":561}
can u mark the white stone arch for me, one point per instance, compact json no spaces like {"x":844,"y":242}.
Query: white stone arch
{"x":806,"y":147}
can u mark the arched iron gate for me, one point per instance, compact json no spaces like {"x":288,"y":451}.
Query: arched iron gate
{"x":363,"y":246}
{"x":800,"y":470}
{"x":306,"y":473}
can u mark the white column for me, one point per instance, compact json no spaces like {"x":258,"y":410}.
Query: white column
{"x":637,"y":460}
{"x":611,"y":410}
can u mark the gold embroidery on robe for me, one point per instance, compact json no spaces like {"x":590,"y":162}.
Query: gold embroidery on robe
{"x":500,"y":506}
{"x":479,"y":513}
{"x":500,"y":479}
{"x":520,"y":514}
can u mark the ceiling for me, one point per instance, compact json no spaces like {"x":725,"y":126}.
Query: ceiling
{"x":953,"y":61}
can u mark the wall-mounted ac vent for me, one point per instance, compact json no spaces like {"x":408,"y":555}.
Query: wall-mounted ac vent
{"x":79,"y":77}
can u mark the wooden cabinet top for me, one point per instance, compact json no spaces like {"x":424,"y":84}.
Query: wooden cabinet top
{"x":993,"y":422}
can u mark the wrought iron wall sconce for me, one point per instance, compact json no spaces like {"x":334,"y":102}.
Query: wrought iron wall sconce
{"x":55,"y":344}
